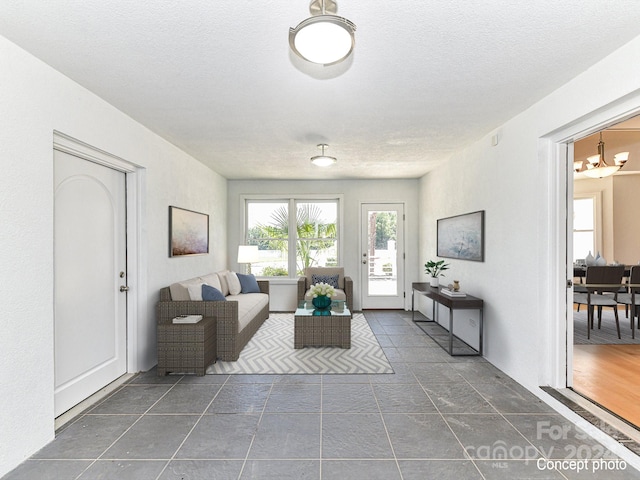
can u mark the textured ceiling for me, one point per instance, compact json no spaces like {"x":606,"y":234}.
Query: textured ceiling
{"x":217,"y":79}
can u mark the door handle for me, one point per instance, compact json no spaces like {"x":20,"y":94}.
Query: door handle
{"x":124,"y":288}
{"x":364,"y":262}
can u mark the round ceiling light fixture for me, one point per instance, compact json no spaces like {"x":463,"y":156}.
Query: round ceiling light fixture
{"x":324,"y":38}
{"x":323,"y":160}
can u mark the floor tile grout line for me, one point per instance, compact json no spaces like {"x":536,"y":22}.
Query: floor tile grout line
{"x":90,"y":408}
{"x":512,"y":425}
{"x":253,"y":438}
{"x":140,"y":416}
{"x":386,"y":430}
{"x":451,"y":429}
{"x":194,"y":425}
{"x":507,"y":420}
{"x":321,"y":424}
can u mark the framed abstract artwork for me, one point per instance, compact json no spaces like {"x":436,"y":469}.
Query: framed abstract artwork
{"x":188,"y":232}
{"x":462,"y":237}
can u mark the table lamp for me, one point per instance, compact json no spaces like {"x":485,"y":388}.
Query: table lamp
{"x":248,"y":254}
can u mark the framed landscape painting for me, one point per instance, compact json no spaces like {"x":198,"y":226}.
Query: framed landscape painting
{"x":188,"y":232}
{"x":462,"y":237}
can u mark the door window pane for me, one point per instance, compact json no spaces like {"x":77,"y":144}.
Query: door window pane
{"x":382,"y":255}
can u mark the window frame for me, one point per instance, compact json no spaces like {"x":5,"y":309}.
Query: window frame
{"x":292,"y":202}
{"x":596,"y":197}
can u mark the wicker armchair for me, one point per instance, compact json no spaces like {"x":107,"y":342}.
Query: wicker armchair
{"x":230,"y":341}
{"x":345,"y":284}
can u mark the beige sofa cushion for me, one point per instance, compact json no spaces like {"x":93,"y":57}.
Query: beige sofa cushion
{"x":249,"y":304}
{"x":195,"y":291}
{"x":234,"y":284}
{"x":224,"y":286}
{"x":212,"y":280}
{"x":180,"y":291}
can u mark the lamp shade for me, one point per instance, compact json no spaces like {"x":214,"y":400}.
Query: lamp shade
{"x":247,"y":253}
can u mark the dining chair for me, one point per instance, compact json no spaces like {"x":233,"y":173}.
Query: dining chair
{"x":632,"y":297}
{"x":603,"y":286}
{"x":579,"y":273}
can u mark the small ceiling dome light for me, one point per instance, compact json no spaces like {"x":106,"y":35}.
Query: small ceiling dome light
{"x":323,"y":160}
{"x":596,"y":165}
{"x":323,"y":38}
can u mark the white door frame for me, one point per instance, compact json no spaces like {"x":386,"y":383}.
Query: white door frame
{"x":555,"y":152}
{"x":136,"y":256}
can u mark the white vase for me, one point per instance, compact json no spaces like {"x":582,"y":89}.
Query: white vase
{"x":589,"y":260}
{"x":434,"y":282}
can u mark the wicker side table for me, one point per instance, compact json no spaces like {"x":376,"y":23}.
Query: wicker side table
{"x":186,"y":348}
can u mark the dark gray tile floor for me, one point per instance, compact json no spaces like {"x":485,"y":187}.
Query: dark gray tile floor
{"x":436,"y":417}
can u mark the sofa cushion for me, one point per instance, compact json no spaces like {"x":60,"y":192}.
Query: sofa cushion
{"x":234,"y":284}
{"x":213,"y":280}
{"x":222,"y":275}
{"x":249,"y":304}
{"x":248,"y":283}
{"x":179,"y":290}
{"x":195,"y":291}
{"x":210,"y":293}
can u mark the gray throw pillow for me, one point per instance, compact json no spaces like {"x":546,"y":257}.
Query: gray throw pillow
{"x":210,"y":293}
{"x":248,"y":283}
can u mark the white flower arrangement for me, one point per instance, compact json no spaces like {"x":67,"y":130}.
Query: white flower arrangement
{"x":320,"y":289}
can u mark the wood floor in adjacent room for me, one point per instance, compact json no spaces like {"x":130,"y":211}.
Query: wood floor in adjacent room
{"x":609,"y":375}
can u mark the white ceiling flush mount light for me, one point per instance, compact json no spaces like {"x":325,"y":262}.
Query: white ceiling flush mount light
{"x":323,"y":160}
{"x":597,"y":167}
{"x":324,"y":38}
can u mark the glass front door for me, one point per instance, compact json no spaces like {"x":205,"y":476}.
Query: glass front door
{"x":382,"y":256}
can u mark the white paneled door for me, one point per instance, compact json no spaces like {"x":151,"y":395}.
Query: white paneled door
{"x":90,"y":278}
{"x":382,"y":255}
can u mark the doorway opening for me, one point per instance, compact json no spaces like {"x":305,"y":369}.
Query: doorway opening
{"x":605,"y":228}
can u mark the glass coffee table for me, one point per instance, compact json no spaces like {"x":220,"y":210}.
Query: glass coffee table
{"x":322,"y":328}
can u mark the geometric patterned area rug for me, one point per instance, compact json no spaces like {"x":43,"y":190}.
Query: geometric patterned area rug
{"x":270,"y":351}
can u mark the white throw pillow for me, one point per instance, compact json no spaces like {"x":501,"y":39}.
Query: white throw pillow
{"x":212,"y":280}
{"x":222,"y":275}
{"x":234,"y":284}
{"x":195,"y":291}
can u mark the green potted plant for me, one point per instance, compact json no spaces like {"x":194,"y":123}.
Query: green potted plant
{"x":434,"y":270}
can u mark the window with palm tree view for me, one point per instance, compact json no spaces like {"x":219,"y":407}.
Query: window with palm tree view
{"x":292,"y":234}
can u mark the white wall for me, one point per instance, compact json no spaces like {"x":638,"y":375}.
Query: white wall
{"x":620,"y":224}
{"x":355,"y":193}
{"x":35,"y":100}
{"x":626,"y":221}
{"x":514,"y":183}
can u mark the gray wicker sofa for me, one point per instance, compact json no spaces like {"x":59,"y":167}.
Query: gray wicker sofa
{"x":238,"y":317}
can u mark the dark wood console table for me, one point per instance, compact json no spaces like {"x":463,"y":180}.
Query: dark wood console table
{"x":452,"y":303}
